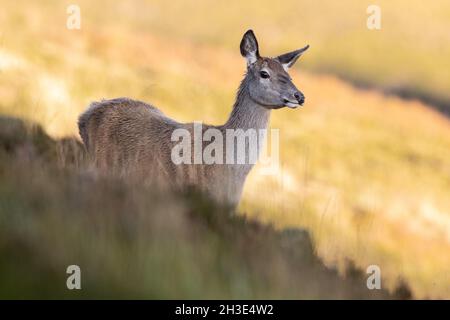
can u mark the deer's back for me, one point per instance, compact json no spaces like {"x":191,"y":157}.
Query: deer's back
{"x":127,"y":135}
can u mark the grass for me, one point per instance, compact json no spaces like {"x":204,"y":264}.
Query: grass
{"x":366,"y":172}
{"x":132,"y":242}
{"x":408,"y":55}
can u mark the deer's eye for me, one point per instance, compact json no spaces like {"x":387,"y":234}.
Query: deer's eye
{"x":264,"y":75}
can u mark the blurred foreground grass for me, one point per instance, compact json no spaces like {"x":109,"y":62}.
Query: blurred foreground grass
{"x":133,"y":242}
{"x":367,"y":174}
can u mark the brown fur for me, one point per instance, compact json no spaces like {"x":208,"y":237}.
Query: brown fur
{"x":131,"y":138}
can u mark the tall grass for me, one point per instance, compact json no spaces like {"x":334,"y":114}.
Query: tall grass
{"x":132,"y":242}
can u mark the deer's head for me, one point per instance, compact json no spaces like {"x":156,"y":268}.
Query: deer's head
{"x":269,"y":83}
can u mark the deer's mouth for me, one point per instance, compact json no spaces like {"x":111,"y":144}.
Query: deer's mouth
{"x":291,"y":104}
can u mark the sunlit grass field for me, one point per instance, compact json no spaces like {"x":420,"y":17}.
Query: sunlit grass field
{"x":367,"y":173}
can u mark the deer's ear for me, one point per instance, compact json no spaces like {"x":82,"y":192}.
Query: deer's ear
{"x":249,"y":47}
{"x":288,"y":59}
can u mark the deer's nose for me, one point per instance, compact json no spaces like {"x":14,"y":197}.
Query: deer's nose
{"x":300,"y":97}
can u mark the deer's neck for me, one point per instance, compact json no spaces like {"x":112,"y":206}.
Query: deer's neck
{"x":251,"y":117}
{"x":246,"y":113}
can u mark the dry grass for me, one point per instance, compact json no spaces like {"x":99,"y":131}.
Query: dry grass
{"x":367,"y":173}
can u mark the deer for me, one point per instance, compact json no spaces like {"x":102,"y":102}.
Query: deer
{"x":134,"y":139}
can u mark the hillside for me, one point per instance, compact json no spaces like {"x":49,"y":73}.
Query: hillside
{"x":132,"y":242}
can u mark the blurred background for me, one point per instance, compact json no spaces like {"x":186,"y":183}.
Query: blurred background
{"x":365,"y":165}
